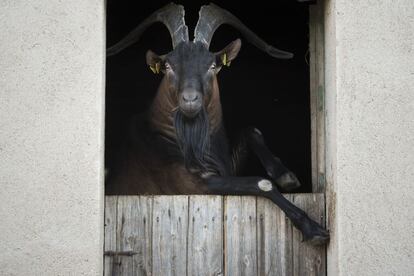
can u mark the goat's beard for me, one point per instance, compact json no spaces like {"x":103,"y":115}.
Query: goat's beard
{"x":193,"y":138}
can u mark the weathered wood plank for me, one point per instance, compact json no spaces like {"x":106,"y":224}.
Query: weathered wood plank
{"x":320,"y":60}
{"x":307,"y":259}
{"x":257,"y":237}
{"x":124,"y":217}
{"x":134,"y":234}
{"x":313,"y":79}
{"x":240,"y":235}
{"x":110,"y":233}
{"x":317,"y":90}
{"x":274,"y":239}
{"x":205,"y":236}
{"x":170,"y":227}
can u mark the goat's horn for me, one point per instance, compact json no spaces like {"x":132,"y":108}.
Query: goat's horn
{"x":171,"y":15}
{"x":212,"y":16}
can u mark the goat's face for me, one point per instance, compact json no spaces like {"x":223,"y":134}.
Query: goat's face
{"x":190,"y":71}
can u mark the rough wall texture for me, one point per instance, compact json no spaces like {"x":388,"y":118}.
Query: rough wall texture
{"x":370,"y":126}
{"x":51,"y":137}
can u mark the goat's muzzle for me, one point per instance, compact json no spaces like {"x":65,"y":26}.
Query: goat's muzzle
{"x":190,"y":102}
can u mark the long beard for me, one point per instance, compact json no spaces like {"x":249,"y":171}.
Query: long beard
{"x":193,"y":138}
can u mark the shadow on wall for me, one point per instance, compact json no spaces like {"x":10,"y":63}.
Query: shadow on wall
{"x":257,"y":90}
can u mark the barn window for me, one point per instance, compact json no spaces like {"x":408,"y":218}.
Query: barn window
{"x":283,"y":98}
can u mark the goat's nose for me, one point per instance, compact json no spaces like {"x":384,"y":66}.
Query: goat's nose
{"x":190,"y":102}
{"x":190,"y":97}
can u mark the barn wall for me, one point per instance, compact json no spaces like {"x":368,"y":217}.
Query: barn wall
{"x":51,"y":137}
{"x":370,"y":129}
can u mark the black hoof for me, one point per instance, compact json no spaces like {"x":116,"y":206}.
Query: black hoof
{"x":313,"y":233}
{"x":284,"y":178}
{"x":288,"y":181}
{"x":318,"y":240}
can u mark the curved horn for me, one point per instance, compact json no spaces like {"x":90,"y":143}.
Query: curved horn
{"x":212,"y":16}
{"x":171,"y":15}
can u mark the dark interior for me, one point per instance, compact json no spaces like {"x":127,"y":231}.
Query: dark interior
{"x":257,"y":90}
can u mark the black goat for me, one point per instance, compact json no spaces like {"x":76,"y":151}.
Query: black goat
{"x":180,"y":146}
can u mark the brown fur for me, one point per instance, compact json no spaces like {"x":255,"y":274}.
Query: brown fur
{"x":143,"y":170}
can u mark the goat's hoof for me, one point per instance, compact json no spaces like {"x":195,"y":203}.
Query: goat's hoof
{"x":315,"y":234}
{"x":288,"y":181}
{"x":319,"y":240}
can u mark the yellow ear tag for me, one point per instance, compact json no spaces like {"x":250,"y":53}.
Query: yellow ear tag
{"x":224,"y":59}
{"x":153,"y":69}
{"x":228,"y":63}
{"x":157,"y":67}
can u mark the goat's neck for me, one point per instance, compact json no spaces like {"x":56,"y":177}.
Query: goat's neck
{"x":164,"y":106}
{"x":162,"y":112}
{"x":214,"y":111}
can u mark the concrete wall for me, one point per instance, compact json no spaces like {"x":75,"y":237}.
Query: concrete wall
{"x":370,"y":134}
{"x":51,"y":137}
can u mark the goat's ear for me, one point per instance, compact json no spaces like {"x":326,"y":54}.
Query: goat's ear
{"x":225,"y":56}
{"x":154,"y":61}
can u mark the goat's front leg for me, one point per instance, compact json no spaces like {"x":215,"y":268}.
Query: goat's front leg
{"x":252,"y":139}
{"x":311,"y":230}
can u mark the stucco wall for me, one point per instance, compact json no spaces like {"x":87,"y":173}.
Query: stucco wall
{"x":51,"y":133}
{"x":370,"y":134}
{"x":51,"y":137}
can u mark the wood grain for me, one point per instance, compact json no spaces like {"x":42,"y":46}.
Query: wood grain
{"x":209,"y":235}
{"x":205,"y":236}
{"x":170,"y":227}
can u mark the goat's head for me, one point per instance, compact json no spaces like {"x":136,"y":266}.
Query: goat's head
{"x":190,"y":68}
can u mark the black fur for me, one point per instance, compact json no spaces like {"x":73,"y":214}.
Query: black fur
{"x":193,"y":138}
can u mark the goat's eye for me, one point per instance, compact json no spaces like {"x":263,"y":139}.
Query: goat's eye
{"x":212,"y":66}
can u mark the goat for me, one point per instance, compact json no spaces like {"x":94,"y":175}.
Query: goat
{"x":179,"y":146}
